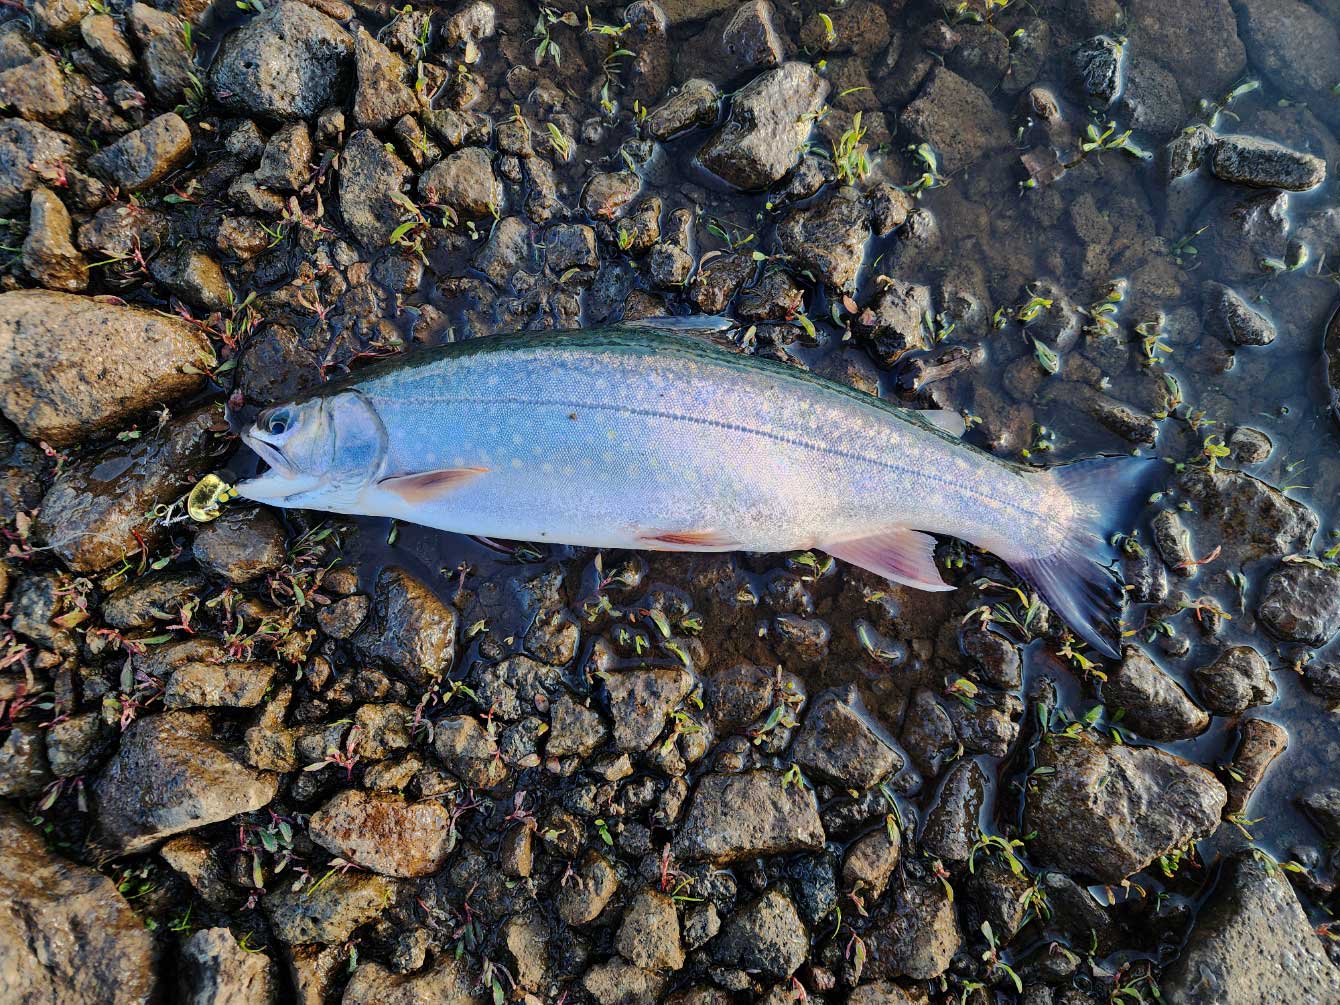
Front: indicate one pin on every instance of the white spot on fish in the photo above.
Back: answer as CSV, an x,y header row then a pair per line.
x,y
516,462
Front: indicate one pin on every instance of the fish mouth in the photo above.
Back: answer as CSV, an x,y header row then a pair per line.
x,y
280,482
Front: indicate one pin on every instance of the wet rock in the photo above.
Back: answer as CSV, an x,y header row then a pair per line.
x,y
1230,317
1249,445
1322,805
35,90
1197,42
76,744
694,104
287,63
889,208
764,136
641,700
246,542
412,631
327,913
928,734
37,602
286,160
649,934
464,182
1300,602
56,20
751,38
193,276
171,775
1259,743
841,743
957,119
894,323
1252,942
588,890
525,937
1155,705
344,617
743,815
606,196
619,983
1097,68
570,246
1150,100
103,36
1297,48
765,937
1106,811
446,981
214,685
23,762
1243,517
49,253
1187,150
870,863
166,62
920,935
828,238
1241,231
996,657
883,993
951,825
385,833
717,280
30,155
66,934
1261,163
1121,418
215,969
384,93
1238,679
507,249
775,297
147,156
469,752
574,729
371,180
99,508
515,685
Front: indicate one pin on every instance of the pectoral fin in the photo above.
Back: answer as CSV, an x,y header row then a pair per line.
x,y
426,486
902,555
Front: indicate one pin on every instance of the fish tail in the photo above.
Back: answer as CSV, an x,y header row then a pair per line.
x,y
1075,570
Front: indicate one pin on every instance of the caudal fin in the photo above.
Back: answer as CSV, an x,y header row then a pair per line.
x,y
1078,578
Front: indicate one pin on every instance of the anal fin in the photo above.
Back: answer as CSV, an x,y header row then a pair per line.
x,y
425,486
900,554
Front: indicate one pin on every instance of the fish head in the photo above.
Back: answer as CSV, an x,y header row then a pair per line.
x,y
321,451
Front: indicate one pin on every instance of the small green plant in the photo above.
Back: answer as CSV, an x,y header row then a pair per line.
x,y
930,175
1212,110
850,159
542,34
561,144
1110,139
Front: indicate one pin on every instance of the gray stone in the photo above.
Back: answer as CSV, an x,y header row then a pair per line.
x,y
1261,163
1301,603
49,253
770,119
1154,704
765,937
288,63
371,182
841,743
1252,944
146,156
957,119
744,815
1232,319
463,182
215,970
1238,679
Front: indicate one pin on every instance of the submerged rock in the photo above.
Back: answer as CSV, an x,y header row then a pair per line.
x,y
1243,517
1238,679
1097,67
1252,942
1107,811
1301,603
66,934
1261,163
1297,48
829,238
73,367
957,119
764,136
1231,318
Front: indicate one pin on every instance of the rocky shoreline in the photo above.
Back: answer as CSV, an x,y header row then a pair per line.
x,y
274,758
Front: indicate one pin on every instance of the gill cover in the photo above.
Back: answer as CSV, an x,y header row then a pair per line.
x,y
320,451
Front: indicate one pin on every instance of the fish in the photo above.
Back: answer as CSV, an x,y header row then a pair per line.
x,y
649,436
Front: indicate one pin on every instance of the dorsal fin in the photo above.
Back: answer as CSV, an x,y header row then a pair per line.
x,y
902,555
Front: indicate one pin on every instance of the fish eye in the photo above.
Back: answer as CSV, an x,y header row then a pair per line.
x,y
278,423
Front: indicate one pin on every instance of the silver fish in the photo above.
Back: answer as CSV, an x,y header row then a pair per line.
x,y
645,438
